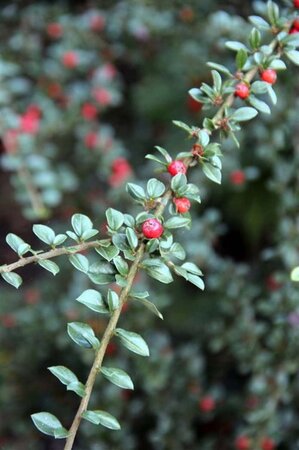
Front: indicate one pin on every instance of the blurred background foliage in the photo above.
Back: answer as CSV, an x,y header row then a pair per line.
x,y
86,90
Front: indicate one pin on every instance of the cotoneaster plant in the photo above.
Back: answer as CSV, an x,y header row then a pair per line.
x,y
146,241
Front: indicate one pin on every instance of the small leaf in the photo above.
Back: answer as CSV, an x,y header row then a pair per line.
x,y
49,424
121,265
212,172
197,281
219,67
108,253
80,262
157,269
149,305
59,239
244,114
259,105
44,233
51,266
113,300
17,244
259,22
82,334
12,278
132,238
192,268
241,58
81,223
235,45
155,188
133,341
293,56
93,300
136,192
177,222
115,219
118,377
99,417
65,375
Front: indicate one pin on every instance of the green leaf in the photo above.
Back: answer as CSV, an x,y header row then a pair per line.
x,y
241,58
182,125
80,262
155,188
149,305
121,265
132,238
82,334
108,253
65,375
51,266
212,172
164,153
192,268
236,46
81,224
59,239
17,244
93,300
12,278
133,341
243,114
177,250
293,56
136,192
113,300
177,222
259,87
259,105
44,233
204,138
178,181
255,38
272,94
49,424
295,274
277,64
158,270
77,387
217,81
259,22
115,219
219,67
197,281
99,417
118,377
273,12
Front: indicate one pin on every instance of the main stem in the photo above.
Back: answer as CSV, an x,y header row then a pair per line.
x,y
99,356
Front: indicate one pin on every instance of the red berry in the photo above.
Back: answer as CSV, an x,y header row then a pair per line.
x,y
296,24
152,229
207,404
269,76
176,167
293,31
268,444
296,3
242,90
242,443
182,204
54,30
70,59
89,111
91,139
237,177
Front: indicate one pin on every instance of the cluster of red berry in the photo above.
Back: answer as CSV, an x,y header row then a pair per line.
x,y
244,443
153,228
242,89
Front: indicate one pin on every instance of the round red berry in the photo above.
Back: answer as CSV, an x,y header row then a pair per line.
x,y
182,204
268,444
237,177
70,59
54,30
207,404
176,167
296,3
242,91
152,228
89,111
269,76
296,24
242,443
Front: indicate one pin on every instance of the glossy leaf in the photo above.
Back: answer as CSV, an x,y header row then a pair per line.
x,y
118,377
133,341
